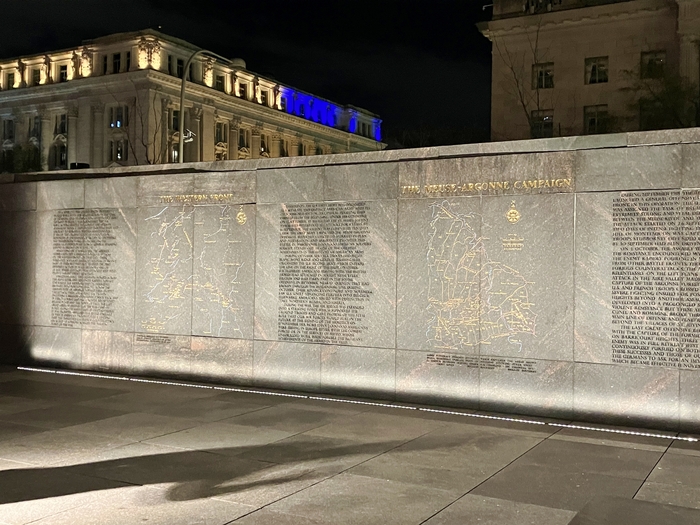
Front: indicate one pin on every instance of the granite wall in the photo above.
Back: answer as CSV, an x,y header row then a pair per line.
x,y
553,277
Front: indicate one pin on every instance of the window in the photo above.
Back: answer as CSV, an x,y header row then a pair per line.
x,y
542,123
283,103
175,120
596,70
36,77
63,73
302,110
118,150
263,143
119,117
60,156
300,149
243,90
263,97
128,61
284,148
10,80
595,119
653,63
244,138
180,68
191,72
8,130
220,83
543,76
35,128
170,64
220,132
61,124
116,62
104,65
652,116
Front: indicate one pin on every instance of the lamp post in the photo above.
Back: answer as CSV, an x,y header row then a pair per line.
x,y
181,116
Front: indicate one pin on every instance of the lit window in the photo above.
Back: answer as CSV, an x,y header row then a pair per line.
x,y
542,123
652,64
263,143
220,83
119,117
596,70
243,90
595,119
116,62
36,77
63,73
119,151
543,76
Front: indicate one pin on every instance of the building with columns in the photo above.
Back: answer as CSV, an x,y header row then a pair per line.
x,y
574,67
115,100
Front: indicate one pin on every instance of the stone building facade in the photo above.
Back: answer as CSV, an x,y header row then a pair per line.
x,y
115,101
573,67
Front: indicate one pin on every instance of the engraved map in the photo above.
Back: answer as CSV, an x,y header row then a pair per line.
x,y
472,299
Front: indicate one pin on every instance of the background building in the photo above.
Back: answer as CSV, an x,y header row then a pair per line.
x,y
115,100
572,67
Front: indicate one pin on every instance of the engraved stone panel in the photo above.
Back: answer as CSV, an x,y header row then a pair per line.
x,y
107,351
287,365
224,271
241,184
353,370
159,189
164,269
161,354
593,305
424,379
43,268
440,260
218,359
92,268
626,395
336,271
527,386
526,291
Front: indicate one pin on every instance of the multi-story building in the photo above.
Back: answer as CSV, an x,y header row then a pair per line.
x,y
573,67
115,100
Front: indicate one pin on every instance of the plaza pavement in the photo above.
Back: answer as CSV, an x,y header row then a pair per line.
x,y
91,450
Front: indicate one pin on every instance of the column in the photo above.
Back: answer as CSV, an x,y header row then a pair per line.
x,y
46,135
275,142
293,147
255,143
72,134
233,139
98,137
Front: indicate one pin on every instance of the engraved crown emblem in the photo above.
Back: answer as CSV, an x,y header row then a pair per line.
x,y
513,215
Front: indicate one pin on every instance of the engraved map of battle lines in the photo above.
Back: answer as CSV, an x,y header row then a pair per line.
x,y
194,252
472,299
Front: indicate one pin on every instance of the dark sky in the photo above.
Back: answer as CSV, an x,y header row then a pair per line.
x,y
421,65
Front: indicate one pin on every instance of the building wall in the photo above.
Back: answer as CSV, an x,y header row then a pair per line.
x,y
139,73
621,31
551,277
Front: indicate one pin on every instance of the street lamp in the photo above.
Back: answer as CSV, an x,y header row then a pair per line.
x,y
181,115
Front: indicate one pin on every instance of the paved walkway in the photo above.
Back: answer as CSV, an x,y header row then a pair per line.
x,y
89,450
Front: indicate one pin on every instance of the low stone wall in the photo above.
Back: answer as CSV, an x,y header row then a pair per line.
x,y
554,277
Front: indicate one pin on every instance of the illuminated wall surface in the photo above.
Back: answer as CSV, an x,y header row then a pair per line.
x,y
555,277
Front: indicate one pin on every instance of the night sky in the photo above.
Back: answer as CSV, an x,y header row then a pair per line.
x,y
421,65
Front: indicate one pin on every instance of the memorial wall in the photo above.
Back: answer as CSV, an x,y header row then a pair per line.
x,y
556,278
